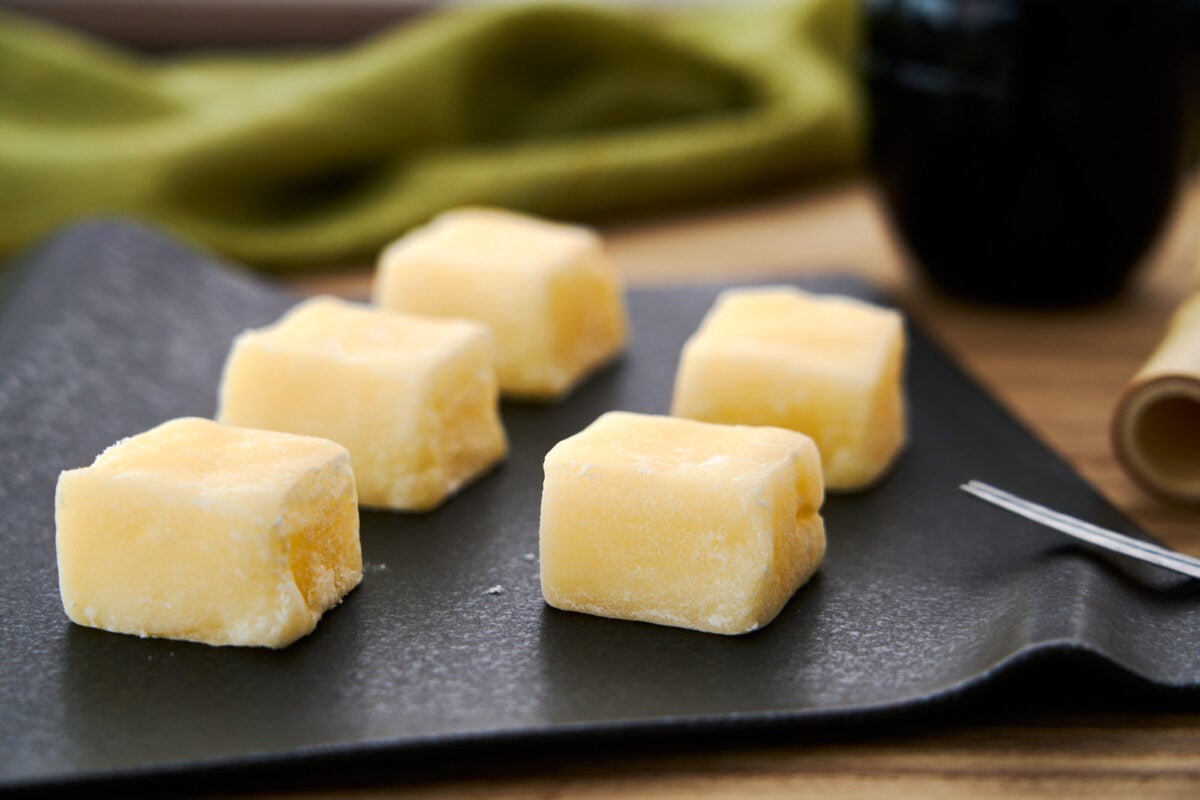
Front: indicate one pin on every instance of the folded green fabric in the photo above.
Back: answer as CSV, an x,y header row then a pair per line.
x,y
292,161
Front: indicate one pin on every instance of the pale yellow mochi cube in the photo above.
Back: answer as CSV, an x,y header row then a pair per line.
x,y
414,399
827,366
199,531
548,291
683,523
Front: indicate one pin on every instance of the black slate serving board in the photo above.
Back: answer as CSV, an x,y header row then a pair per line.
x,y
108,329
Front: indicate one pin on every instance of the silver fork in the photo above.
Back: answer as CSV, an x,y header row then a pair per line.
x,y
1093,534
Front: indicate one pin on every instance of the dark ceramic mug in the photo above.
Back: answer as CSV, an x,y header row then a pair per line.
x,y
1029,150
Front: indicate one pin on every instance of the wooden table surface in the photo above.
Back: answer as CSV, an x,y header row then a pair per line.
x,y
1060,372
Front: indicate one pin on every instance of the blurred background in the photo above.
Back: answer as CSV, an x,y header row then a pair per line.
x,y
173,25
300,135
998,133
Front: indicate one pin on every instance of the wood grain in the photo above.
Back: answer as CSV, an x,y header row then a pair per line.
x,y
1098,756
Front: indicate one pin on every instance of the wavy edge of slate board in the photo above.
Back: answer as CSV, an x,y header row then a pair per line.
x,y
1083,667
1052,677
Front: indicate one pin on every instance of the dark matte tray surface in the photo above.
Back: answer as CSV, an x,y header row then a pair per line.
x,y
109,329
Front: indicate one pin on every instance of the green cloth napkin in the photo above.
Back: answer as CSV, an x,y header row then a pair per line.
x,y
302,160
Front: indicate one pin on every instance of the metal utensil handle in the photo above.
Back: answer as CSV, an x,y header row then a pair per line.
x,y
1086,531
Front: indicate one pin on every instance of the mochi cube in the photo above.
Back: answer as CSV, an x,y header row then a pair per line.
x,y
677,522
547,291
413,399
827,366
199,531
